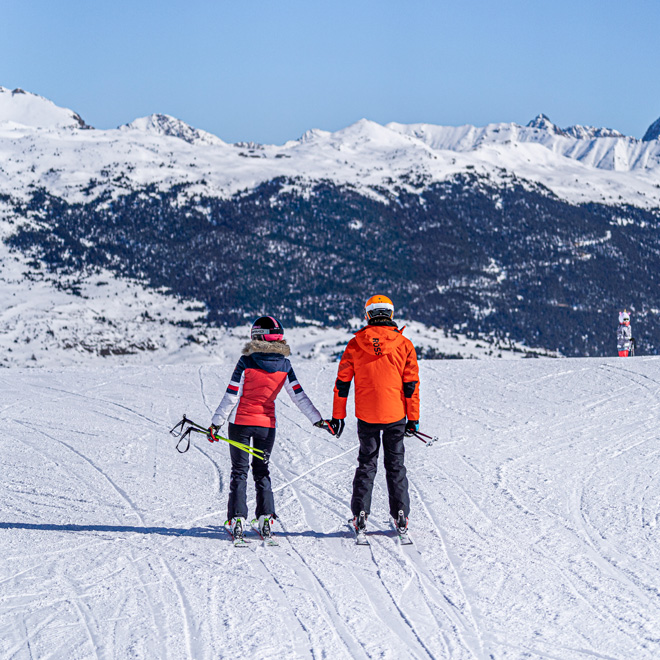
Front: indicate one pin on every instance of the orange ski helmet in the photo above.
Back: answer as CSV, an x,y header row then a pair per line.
x,y
378,306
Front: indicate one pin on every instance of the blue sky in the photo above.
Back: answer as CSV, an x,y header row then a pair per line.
x,y
269,70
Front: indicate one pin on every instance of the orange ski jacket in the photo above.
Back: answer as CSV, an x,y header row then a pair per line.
x,y
384,365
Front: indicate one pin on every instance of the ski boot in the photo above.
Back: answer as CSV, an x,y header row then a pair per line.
x,y
236,527
264,526
401,527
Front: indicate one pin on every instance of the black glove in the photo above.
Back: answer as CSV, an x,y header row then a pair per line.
x,y
332,426
412,426
211,433
337,426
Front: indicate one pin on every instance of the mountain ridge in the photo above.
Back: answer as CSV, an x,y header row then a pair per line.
x,y
166,125
595,166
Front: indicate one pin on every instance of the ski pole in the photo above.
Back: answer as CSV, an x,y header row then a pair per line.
x,y
430,440
255,451
182,433
198,428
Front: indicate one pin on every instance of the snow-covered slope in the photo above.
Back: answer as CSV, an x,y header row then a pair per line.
x,y
54,320
20,107
535,518
578,164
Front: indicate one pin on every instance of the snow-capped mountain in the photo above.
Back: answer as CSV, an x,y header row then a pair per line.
x,y
162,125
543,123
20,107
578,164
506,233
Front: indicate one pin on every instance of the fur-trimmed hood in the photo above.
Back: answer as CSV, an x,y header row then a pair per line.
x,y
261,346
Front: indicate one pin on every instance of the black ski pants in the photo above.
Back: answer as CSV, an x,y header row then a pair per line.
x,y
395,470
260,437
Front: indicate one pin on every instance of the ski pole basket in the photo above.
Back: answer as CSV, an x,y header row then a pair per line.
x,y
426,439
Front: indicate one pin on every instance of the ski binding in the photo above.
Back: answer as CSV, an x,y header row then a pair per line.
x,y
270,541
360,530
404,536
239,540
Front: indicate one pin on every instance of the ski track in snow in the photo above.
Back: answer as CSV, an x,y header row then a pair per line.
x,y
534,518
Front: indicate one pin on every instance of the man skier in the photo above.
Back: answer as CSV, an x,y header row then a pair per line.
x,y
384,365
624,339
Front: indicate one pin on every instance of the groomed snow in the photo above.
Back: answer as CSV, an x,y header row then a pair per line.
x,y
535,520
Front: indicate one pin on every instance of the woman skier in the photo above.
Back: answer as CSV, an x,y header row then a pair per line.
x,y
624,340
249,406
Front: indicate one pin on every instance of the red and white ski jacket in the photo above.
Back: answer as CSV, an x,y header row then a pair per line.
x,y
261,373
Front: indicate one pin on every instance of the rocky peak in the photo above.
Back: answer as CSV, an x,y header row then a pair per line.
x,y
542,122
159,124
653,132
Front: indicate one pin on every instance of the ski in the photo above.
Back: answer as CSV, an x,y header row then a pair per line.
x,y
360,534
361,537
239,541
270,541
404,536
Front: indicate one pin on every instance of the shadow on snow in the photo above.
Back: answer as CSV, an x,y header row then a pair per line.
x,y
213,532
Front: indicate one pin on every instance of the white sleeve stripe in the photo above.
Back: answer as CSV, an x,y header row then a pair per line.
x,y
228,403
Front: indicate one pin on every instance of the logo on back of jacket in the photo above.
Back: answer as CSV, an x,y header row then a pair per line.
x,y
377,347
